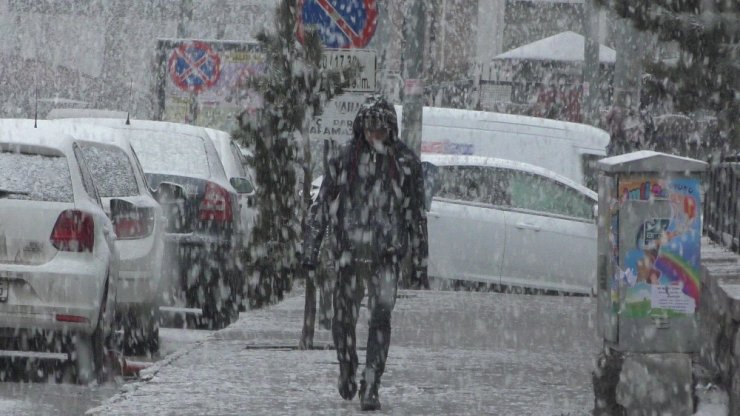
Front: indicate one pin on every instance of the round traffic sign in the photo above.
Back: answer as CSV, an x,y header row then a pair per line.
x,y
341,23
194,66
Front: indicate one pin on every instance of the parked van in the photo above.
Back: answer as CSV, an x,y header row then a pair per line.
x,y
569,149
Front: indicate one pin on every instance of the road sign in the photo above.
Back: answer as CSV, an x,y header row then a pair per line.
x,y
341,58
341,23
194,66
335,123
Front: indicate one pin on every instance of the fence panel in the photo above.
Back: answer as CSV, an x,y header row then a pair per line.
x,y
722,204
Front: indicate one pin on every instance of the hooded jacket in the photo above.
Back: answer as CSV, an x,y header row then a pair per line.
x,y
401,225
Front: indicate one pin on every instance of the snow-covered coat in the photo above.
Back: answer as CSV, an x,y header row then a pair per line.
x,y
406,225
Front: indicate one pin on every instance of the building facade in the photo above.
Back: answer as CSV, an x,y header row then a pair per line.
x,y
102,53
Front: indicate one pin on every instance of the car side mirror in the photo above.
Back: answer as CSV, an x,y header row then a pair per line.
x,y
243,186
430,172
596,211
168,191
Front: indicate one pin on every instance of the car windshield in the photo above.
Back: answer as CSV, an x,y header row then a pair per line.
x,y
172,154
35,177
111,170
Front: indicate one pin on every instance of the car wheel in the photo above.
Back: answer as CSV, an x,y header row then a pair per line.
x,y
222,306
90,350
88,356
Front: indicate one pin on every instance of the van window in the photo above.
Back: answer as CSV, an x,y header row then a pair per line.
x,y
538,193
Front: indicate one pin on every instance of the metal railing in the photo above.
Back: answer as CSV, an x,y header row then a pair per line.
x,y
722,203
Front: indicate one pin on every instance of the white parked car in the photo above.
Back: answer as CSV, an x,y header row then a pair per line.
x,y
202,235
139,229
236,168
58,259
511,224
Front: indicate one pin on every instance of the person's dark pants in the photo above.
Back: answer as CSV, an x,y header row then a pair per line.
x,y
381,279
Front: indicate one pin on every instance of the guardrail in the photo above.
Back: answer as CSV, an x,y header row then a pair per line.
x,y
722,203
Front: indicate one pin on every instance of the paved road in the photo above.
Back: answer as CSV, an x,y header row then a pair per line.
x,y
66,399
451,353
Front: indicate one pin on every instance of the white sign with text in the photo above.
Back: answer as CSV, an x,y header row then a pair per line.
x,y
342,58
335,123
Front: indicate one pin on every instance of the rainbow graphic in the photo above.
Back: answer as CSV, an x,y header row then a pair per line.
x,y
676,269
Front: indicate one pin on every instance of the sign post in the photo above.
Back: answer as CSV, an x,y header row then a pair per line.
x,y
413,86
345,31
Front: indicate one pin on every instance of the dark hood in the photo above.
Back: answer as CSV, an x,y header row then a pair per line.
x,y
379,107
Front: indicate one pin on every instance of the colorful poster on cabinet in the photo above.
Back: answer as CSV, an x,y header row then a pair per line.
x,y
661,253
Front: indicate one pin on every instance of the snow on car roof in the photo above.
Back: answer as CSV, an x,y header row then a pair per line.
x,y
92,133
465,160
22,131
177,149
220,138
148,125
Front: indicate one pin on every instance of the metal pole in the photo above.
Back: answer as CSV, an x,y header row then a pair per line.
x,y
183,32
627,72
186,16
627,69
412,95
591,87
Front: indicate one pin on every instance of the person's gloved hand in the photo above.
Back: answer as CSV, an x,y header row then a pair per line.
x,y
308,264
389,255
419,278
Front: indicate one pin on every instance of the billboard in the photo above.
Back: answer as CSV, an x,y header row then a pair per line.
x,y
204,82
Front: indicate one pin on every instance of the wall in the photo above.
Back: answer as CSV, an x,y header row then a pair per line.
x,y
719,321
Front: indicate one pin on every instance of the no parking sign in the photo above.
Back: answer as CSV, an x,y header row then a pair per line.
x,y
341,23
194,66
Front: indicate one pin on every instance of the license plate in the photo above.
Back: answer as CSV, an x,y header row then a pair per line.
x,y
4,287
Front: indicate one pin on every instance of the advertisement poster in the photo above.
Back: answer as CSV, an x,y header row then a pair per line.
x,y
660,270
205,82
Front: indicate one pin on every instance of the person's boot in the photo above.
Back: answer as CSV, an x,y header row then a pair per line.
x,y
346,383
369,398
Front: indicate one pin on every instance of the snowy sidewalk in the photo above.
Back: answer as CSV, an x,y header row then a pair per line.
x,y
451,353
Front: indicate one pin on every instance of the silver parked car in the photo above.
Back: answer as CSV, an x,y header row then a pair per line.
x,y
203,232
236,169
139,228
510,224
58,259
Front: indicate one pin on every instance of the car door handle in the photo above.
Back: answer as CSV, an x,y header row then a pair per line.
x,y
527,226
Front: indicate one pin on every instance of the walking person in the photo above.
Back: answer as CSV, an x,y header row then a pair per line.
x,y
373,197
